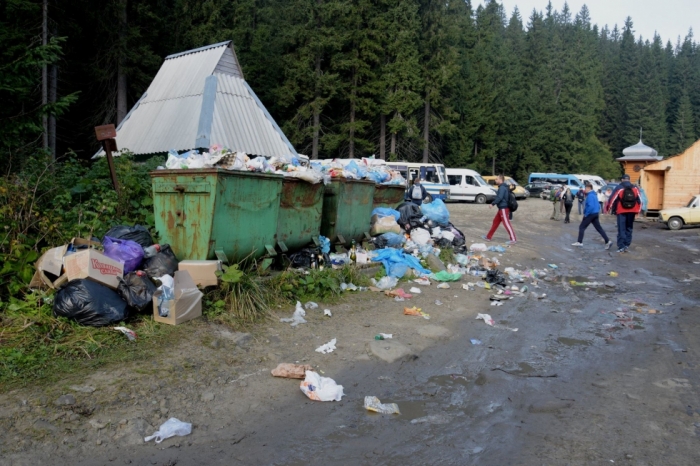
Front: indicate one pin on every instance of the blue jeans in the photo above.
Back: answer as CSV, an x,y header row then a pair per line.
x,y
625,224
580,207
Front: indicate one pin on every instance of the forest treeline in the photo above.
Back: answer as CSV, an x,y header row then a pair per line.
x,y
403,79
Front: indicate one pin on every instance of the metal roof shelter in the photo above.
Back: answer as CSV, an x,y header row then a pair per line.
x,y
636,157
199,98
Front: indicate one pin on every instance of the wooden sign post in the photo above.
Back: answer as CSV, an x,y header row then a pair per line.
x,y
106,135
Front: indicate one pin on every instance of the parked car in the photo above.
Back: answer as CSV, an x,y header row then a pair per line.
x,y
688,215
535,189
468,185
610,186
520,192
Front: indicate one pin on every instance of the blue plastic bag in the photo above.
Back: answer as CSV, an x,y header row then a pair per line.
x,y
436,211
391,257
386,212
325,244
393,239
123,250
356,169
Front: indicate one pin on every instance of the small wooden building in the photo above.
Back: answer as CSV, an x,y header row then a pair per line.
x,y
673,181
635,158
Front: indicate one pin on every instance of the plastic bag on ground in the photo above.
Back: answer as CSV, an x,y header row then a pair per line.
x,y
327,348
163,263
386,212
444,276
90,303
372,403
420,236
393,239
385,225
137,290
123,250
387,283
298,316
390,257
436,211
477,247
319,388
137,233
170,428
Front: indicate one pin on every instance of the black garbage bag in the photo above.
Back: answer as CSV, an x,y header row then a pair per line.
x,y
137,233
302,259
495,277
137,290
410,215
444,243
379,242
163,263
90,303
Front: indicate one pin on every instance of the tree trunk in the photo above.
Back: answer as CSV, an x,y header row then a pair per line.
x,y
121,65
317,93
351,133
382,136
392,149
426,130
53,95
45,75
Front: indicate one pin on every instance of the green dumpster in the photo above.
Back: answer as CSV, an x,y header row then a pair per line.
x,y
202,211
299,220
347,208
388,195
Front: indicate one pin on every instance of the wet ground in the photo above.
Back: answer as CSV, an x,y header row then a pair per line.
x,y
601,371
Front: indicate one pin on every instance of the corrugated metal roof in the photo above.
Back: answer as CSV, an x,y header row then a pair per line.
x,y
168,115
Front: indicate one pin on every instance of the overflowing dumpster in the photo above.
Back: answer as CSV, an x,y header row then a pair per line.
x,y
388,195
301,206
202,211
347,209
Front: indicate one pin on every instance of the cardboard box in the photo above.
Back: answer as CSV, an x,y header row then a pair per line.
x,y
94,265
51,262
187,304
202,272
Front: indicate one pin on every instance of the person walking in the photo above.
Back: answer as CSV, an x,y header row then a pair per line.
x,y
555,196
625,202
581,196
601,199
567,199
503,214
417,192
591,212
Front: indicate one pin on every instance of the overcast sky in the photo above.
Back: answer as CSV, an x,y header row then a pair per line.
x,y
670,18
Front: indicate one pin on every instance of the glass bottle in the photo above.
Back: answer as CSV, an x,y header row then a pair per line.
x,y
353,255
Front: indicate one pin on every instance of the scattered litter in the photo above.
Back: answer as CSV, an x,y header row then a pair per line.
x,y
415,290
443,286
668,304
477,247
130,334
496,303
496,249
489,321
372,403
170,428
298,316
310,305
399,299
386,283
475,341
468,286
553,266
415,311
291,371
399,293
432,419
327,312
422,281
348,287
327,348
321,388
444,276
384,336
438,302
613,274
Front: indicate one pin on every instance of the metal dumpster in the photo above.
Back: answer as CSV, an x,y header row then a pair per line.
x,y
301,205
347,208
201,211
388,195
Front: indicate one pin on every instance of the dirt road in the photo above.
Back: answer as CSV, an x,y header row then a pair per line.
x,y
595,374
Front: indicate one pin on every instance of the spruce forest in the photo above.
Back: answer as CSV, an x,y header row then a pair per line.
x,y
479,87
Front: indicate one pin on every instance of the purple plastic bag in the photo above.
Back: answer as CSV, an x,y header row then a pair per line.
x,y
129,252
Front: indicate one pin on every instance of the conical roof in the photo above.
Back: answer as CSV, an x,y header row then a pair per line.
x,y
640,151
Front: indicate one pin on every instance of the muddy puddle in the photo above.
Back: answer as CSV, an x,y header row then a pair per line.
x,y
573,342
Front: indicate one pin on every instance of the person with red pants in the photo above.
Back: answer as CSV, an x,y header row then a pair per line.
x,y
503,214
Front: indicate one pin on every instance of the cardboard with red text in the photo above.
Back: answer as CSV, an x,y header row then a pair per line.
x,y
94,265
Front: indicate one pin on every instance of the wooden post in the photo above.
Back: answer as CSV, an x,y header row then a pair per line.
x,y
106,135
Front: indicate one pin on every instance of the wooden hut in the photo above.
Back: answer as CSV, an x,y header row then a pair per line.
x,y
636,157
671,182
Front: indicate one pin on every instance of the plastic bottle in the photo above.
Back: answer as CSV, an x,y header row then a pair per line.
x,y
320,262
151,251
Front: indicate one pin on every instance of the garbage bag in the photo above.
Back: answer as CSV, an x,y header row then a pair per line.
x,y
410,214
170,428
393,239
124,250
90,303
321,388
385,225
436,211
389,257
495,277
386,212
137,233
444,276
420,236
387,283
163,263
137,290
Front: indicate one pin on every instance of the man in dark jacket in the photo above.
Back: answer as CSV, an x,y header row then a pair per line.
x,y
503,214
417,192
581,196
625,213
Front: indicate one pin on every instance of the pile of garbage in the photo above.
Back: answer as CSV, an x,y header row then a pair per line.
x,y
367,168
105,282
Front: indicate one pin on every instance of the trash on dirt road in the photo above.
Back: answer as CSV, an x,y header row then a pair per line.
x,y
384,336
613,274
327,312
348,287
500,249
130,334
553,266
415,311
372,403
396,263
444,276
310,305
477,247
415,290
90,303
489,321
438,302
298,316
443,286
170,428
422,281
291,371
319,388
386,283
475,341
496,303
468,286
327,348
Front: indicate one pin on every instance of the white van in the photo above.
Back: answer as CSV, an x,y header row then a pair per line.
x,y
468,185
596,181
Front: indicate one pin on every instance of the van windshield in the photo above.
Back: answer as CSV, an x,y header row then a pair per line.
x,y
443,175
480,180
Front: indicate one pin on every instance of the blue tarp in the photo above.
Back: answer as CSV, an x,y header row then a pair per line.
x,y
396,263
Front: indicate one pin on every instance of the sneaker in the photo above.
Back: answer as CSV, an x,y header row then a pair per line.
x,y
621,250
608,245
577,244
511,242
485,238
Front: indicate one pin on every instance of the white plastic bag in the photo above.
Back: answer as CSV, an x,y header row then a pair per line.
x,y
385,225
321,388
170,428
420,236
310,305
327,348
387,283
477,247
298,316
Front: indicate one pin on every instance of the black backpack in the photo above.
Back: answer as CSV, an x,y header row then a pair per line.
x,y
512,202
628,198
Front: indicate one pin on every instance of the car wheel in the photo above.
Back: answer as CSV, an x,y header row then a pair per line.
x,y
480,199
675,223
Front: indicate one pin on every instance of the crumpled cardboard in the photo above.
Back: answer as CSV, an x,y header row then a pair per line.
x,y
187,304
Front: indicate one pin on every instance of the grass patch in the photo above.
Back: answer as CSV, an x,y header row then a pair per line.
x,y
447,256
